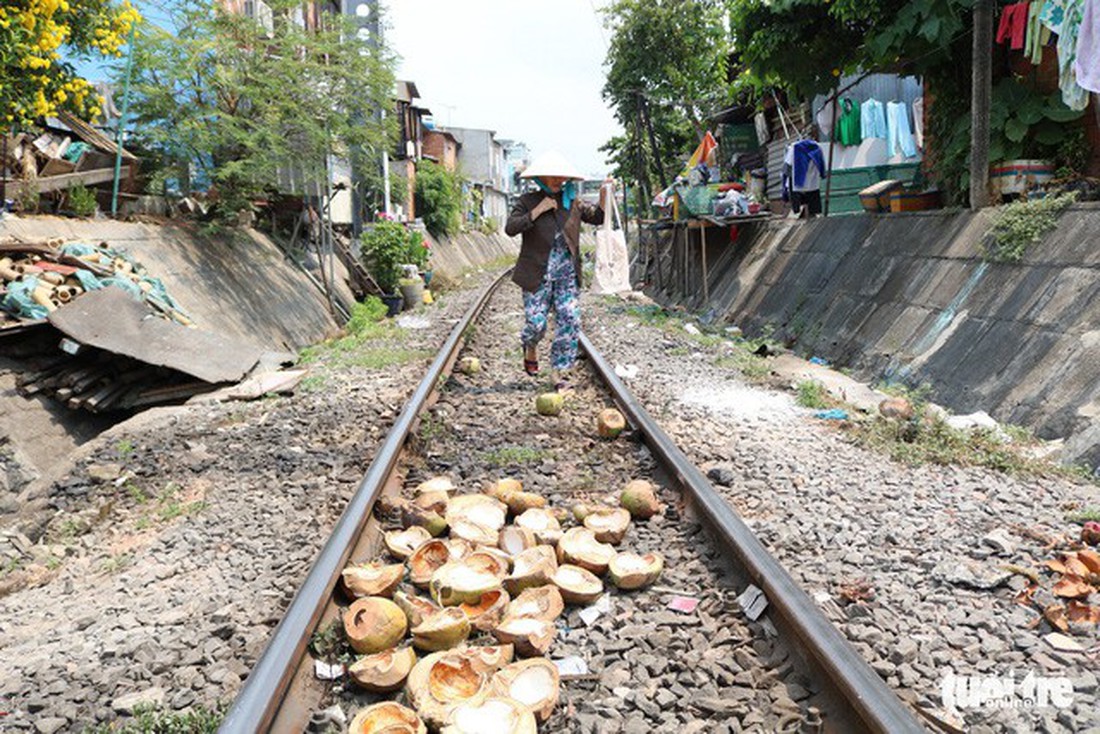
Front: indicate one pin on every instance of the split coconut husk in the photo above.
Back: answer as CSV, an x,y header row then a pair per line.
x,y
608,523
387,718
488,611
610,423
640,499
473,533
442,630
372,579
415,607
479,509
514,540
501,488
429,558
384,671
413,515
440,682
504,559
549,403
403,543
488,659
531,637
465,581
374,624
533,567
543,523
436,501
542,602
437,484
633,571
520,502
581,510
577,585
579,547
535,683
491,716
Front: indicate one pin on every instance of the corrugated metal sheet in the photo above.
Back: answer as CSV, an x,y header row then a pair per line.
x,y
776,149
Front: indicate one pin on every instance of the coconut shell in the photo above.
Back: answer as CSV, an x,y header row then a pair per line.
x,y
488,659
443,630
373,579
640,500
488,611
403,543
535,683
465,581
428,559
577,585
579,547
533,567
541,602
633,571
415,607
387,718
440,682
610,423
520,502
384,671
374,624
506,714
608,524
531,637
435,485
514,540
543,523
480,509
549,404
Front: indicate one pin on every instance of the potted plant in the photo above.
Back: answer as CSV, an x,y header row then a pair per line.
x,y
385,247
1027,128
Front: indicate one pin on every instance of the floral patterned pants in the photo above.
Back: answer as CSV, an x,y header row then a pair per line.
x,y
558,291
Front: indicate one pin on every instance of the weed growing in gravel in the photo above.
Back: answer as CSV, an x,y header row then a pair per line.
x,y
137,494
510,455
313,383
327,642
114,564
812,394
124,448
149,720
11,566
71,528
1089,514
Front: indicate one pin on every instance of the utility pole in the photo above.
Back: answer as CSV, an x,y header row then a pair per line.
x,y
122,124
981,91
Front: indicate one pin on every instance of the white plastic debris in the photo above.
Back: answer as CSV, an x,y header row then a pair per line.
x,y
324,671
692,329
981,419
626,371
589,615
412,321
572,665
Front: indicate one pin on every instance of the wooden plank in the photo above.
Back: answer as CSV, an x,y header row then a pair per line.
x,y
64,181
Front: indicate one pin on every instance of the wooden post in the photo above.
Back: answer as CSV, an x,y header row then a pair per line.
x,y
981,91
706,279
832,149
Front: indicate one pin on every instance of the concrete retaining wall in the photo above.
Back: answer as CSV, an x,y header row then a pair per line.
x,y
236,284
908,297
454,256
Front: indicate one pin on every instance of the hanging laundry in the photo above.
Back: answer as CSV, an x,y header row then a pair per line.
x,y
848,126
1052,14
825,120
1013,26
900,135
1038,35
803,169
1087,64
918,121
1075,97
872,119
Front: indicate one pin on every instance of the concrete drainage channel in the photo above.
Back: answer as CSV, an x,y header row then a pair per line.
x,y
691,652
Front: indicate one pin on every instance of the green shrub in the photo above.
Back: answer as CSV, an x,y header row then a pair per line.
x,y
386,246
438,198
81,200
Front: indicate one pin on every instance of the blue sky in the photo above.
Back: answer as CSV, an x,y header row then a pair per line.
x,y
530,71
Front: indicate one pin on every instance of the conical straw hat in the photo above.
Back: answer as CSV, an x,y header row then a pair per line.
x,y
551,163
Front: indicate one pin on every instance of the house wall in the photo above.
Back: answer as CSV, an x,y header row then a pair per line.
x,y
441,147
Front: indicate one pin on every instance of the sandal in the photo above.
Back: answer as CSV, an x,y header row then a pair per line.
x,y
531,366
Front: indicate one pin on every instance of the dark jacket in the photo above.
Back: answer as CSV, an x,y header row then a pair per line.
x,y
538,236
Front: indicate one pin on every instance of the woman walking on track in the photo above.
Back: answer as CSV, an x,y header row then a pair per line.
x,y
549,265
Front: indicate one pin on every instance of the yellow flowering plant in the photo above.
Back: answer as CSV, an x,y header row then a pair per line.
x,y
38,38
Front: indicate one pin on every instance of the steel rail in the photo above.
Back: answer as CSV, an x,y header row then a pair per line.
x,y
879,708
263,693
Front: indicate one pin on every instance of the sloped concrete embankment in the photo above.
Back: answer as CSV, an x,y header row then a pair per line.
x,y
237,284
908,297
453,257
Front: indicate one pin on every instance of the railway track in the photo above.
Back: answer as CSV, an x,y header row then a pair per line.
x,y
679,655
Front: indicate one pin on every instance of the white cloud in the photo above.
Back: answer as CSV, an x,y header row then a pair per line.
x,y
532,71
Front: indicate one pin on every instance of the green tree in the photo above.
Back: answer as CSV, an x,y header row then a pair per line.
x,y
240,99
667,59
438,198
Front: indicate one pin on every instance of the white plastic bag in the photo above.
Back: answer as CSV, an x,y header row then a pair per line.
x,y
612,260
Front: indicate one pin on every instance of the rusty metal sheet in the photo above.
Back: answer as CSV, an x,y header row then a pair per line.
x,y
110,319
